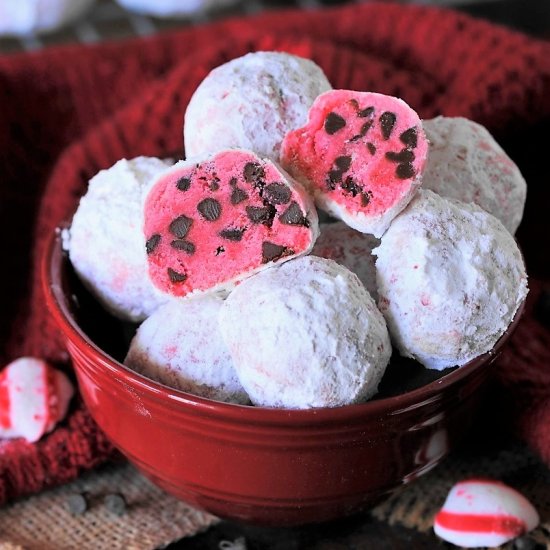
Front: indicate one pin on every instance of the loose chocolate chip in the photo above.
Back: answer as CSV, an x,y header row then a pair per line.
x,y
210,209
409,137
272,252
186,246
152,243
261,214
387,122
527,543
76,504
542,307
405,155
183,184
365,112
293,215
253,172
115,503
232,234
371,147
179,227
237,195
404,170
175,276
343,163
277,193
333,123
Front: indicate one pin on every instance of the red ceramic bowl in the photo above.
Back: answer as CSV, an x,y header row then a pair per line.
x,y
260,465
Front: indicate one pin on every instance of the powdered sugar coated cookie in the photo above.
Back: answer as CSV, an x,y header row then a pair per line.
x,y
349,248
466,163
305,334
251,103
450,279
106,243
180,345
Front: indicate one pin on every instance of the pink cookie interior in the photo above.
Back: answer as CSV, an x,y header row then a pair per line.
x,y
363,150
210,223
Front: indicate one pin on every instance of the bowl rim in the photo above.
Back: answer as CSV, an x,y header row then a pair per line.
x,y
52,264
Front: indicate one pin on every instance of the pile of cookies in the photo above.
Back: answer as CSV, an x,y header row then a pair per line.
x,y
244,297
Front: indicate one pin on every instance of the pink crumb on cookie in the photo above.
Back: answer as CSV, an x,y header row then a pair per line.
x,y
211,223
361,153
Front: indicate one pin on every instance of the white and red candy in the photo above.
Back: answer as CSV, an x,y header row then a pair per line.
x,y
484,512
361,154
34,397
213,222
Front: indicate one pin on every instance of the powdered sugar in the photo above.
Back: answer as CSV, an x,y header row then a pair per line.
x,y
305,334
466,163
251,102
450,279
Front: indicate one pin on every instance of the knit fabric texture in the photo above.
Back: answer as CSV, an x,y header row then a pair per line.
x,y
67,112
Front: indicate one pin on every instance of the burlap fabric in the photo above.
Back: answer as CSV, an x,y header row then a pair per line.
x,y
153,518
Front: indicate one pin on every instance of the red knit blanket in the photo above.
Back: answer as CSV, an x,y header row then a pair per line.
x,y
67,112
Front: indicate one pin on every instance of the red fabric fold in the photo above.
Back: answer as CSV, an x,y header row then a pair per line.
x,y
67,112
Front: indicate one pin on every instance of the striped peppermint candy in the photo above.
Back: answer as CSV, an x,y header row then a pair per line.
x,y
34,397
484,512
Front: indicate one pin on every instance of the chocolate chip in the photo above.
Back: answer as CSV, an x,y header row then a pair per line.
x,y
409,137
272,252
387,122
350,185
76,504
115,503
261,214
405,155
333,123
179,227
404,170
237,195
542,307
219,250
210,209
277,193
334,177
365,128
371,147
343,163
366,197
215,184
354,103
186,246
232,234
175,276
527,543
365,112
152,243
293,215
253,172
183,184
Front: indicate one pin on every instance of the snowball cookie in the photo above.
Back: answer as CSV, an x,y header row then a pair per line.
x,y
251,102
466,163
351,249
305,334
173,8
212,222
106,243
22,17
180,346
361,154
450,279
